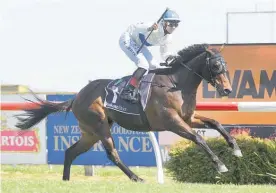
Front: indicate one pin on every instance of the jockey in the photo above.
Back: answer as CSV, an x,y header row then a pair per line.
x,y
131,40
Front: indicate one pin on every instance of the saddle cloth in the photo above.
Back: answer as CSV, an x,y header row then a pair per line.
x,y
115,102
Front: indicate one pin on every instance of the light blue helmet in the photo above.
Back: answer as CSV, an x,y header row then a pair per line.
x,y
171,15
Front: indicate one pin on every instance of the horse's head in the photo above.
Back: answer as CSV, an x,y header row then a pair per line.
x,y
208,64
215,72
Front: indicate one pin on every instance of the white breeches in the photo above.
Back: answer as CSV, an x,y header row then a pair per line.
x,y
144,59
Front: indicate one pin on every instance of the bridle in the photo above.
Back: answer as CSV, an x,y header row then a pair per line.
x,y
212,80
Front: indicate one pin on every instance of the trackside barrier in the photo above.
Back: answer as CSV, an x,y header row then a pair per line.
x,y
237,106
200,106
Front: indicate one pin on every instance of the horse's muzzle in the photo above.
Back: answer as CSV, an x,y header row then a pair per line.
x,y
223,91
227,91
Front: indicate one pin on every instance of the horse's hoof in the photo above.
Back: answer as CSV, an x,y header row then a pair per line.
x,y
65,179
137,179
222,168
237,153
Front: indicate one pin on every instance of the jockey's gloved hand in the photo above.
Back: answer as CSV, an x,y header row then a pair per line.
x,y
153,27
170,59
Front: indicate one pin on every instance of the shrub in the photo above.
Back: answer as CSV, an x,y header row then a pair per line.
x,y
189,163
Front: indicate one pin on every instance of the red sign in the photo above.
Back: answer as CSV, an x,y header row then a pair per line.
x,y
19,141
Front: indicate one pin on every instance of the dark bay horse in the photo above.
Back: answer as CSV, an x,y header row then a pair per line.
x,y
171,107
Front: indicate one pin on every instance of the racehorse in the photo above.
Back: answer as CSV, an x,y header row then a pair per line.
x,y
170,107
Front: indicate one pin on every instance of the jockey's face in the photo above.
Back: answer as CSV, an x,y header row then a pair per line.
x,y
170,26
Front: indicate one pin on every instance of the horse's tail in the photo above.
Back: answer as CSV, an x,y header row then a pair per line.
x,y
31,117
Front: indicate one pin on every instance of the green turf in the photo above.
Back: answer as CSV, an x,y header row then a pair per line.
x,y
41,179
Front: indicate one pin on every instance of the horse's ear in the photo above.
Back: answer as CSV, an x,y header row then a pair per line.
x,y
210,51
221,48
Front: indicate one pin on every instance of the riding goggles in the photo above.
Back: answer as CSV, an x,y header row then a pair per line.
x,y
172,24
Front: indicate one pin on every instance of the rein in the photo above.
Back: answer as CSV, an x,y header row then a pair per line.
x,y
212,82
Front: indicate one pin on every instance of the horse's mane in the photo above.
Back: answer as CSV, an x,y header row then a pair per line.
x,y
192,51
184,55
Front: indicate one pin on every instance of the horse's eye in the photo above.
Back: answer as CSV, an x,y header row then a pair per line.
x,y
217,66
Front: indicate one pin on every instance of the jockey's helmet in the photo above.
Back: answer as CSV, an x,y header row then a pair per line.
x,y
171,16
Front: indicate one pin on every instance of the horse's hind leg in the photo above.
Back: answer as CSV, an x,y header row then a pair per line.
x,y
97,117
201,122
83,145
104,132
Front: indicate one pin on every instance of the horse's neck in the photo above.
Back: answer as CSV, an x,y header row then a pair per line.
x,y
187,79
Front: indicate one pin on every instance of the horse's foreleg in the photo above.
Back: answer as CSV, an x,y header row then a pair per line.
x,y
204,122
178,126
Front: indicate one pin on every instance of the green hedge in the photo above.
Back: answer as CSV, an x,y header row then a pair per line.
x,y
189,163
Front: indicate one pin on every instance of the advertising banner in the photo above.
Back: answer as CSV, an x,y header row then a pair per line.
x,y
21,147
252,73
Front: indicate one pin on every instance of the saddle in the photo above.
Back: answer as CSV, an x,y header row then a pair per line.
x,y
115,87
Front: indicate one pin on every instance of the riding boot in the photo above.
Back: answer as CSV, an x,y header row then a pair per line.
x,y
130,91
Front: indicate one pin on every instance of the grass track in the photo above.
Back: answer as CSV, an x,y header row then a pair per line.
x,y
41,179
